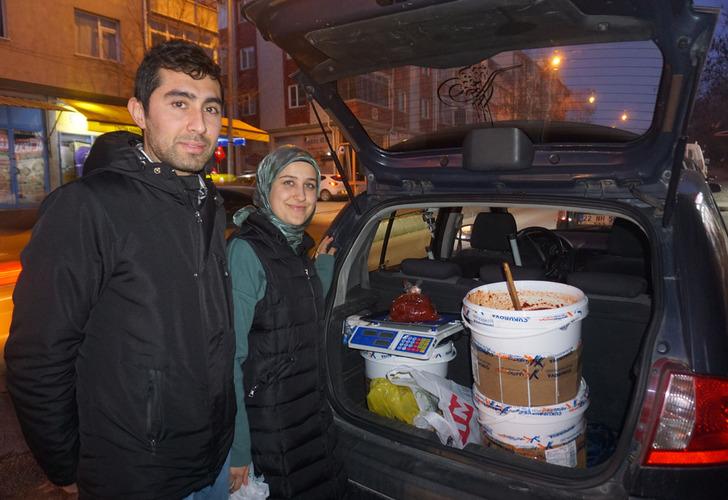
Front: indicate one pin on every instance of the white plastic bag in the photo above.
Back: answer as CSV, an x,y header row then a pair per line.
x,y
458,424
256,489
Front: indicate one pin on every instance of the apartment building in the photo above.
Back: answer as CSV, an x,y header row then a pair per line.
x,y
67,73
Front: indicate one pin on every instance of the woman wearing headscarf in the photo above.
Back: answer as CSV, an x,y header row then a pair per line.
x,y
283,425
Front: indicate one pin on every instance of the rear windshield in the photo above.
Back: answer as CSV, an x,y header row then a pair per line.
x,y
581,93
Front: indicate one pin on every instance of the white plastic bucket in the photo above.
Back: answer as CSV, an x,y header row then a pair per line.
x,y
526,357
535,426
377,364
528,332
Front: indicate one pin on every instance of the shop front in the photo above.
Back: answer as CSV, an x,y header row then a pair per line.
x,y
24,178
79,126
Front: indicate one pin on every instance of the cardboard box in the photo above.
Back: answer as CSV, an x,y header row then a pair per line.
x,y
526,381
571,454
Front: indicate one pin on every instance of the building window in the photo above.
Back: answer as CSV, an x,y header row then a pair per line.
x,y
3,29
247,105
247,58
161,31
296,96
221,18
425,107
97,36
402,102
372,88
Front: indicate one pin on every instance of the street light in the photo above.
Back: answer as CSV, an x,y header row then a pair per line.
x,y
624,117
555,61
592,99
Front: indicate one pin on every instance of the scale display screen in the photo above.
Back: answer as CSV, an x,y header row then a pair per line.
x,y
374,337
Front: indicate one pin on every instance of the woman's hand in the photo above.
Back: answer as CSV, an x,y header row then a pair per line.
x,y
324,247
238,477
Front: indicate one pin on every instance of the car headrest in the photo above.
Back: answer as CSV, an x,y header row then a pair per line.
x,y
491,230
626,239
426,268
495,149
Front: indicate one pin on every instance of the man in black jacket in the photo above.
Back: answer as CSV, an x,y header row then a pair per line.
x,y
119,361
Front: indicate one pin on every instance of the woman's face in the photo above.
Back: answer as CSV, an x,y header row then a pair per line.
x,y
293,193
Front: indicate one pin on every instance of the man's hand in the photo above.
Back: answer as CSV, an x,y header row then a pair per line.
x,y
50,490
238,477
71,489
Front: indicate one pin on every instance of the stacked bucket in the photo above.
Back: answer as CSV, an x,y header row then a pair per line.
x,y
528,389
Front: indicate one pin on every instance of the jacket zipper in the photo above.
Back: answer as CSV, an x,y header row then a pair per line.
x,y
153,408
313,292
270,376
200,240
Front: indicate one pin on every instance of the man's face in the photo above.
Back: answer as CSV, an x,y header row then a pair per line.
x,y
182,122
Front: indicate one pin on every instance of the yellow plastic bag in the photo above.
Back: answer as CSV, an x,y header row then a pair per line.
x,y
392,401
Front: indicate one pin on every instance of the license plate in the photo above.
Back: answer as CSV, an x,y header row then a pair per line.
x,y
594,220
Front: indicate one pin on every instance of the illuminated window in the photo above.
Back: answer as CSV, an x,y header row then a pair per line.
x,y
97,36
161,31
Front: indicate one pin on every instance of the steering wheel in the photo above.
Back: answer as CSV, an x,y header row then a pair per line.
x,y
555,253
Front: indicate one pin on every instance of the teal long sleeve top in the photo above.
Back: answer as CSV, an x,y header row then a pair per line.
x,y
249,285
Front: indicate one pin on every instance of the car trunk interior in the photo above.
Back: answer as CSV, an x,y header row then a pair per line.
x,y
608,259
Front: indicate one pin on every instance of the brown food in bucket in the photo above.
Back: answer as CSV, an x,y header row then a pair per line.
x,y
530,300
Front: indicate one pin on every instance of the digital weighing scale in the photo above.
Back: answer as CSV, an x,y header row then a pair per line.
x,y
378,333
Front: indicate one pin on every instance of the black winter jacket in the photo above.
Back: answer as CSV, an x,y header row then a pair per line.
x,y
293,442
119,360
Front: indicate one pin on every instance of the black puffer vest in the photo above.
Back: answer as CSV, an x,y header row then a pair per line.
x,y
292,438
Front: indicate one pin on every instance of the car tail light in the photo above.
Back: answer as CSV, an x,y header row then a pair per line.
x,y
692,426
9,272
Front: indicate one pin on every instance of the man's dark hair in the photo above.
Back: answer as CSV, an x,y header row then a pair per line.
x,y
175,55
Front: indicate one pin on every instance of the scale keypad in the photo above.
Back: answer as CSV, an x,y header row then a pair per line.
x,y
413,343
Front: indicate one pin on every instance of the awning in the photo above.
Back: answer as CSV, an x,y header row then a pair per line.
x,y
244,130
107,117
104,117
29,103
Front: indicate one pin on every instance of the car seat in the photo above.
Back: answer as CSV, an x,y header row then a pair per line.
x,y
627,252
489,247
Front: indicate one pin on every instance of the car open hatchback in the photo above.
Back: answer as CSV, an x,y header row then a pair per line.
x,y
479,125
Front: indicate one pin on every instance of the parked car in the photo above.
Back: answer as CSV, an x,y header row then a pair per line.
x,y
469,126
332,187
234,198
222,178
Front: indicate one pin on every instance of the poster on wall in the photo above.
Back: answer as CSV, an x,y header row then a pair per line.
x,y
6,192
29,160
